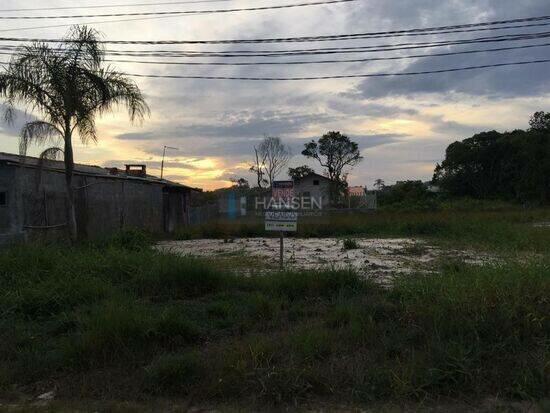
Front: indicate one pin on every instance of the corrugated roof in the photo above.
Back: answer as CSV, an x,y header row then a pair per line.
x,y
81,169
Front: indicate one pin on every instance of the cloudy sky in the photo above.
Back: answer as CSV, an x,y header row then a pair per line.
x,y
402,124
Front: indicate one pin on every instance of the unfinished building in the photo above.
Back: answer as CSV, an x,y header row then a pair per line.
x,y
33,199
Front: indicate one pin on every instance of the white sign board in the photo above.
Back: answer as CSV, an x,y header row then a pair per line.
x,y
281,226
281,221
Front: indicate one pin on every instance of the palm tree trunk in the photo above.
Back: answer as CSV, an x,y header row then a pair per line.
x,y
69,169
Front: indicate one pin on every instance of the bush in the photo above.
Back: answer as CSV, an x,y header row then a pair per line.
x,y
350,244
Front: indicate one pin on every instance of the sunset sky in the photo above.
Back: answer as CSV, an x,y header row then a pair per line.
x,y
402,124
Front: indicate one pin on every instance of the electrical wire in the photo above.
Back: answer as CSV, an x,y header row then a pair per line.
x,y
364,75
321,51
177,13
328,77
392,33
364,60
109,6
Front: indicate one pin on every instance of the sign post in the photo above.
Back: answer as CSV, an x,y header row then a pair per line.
x,y
280,218
281,250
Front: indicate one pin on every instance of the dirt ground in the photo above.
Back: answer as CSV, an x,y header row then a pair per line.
x,y
380,259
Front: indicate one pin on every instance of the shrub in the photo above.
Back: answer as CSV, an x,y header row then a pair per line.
x,y
350,244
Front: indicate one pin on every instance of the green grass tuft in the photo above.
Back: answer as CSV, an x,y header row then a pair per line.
x,y
350,244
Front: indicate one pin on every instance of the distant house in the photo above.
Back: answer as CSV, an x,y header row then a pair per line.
x,y
357,191
33,199
359,197
314,186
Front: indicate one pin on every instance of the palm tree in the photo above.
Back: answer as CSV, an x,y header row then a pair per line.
x,y
67,85
379,184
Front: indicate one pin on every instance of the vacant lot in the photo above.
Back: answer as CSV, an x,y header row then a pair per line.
x,y
512,232
378,259
120,321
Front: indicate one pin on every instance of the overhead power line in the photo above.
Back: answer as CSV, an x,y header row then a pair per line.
x,y
109,6
19,29
310,62
364,75
372,59
392,33
320,51
351,76
177,13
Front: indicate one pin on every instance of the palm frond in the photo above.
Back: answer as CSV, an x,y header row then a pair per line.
x,y
38,132
68,86
123,92
86,129
27,81
50,154
83,48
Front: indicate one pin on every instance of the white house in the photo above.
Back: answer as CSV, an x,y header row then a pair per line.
x,y
314,186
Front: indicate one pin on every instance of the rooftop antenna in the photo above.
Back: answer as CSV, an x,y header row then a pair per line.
x,y
163,155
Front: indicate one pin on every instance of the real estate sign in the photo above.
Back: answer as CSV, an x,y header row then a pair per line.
x,y
277,218
282,190
281,221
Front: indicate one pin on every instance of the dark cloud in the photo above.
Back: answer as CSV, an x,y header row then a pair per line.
x,y
137,136
257,123
364,141
371,141
242,124
373,110
498,83
454,129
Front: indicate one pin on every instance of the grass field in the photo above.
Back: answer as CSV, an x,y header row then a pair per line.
x,y
502,229
119,321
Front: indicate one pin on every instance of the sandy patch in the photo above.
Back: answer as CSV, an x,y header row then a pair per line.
x,y
381,259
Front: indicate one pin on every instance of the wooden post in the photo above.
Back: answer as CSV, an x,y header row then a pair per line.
x,y
45,201
281,264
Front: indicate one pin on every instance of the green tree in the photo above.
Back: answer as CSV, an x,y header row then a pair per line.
x,y
336,153
240,183
471,167
68,86
540,122
299,172
511,165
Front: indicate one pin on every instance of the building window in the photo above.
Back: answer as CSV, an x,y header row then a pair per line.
x,y
3,198
316,182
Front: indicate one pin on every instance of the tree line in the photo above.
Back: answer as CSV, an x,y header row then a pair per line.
x,y
511,165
